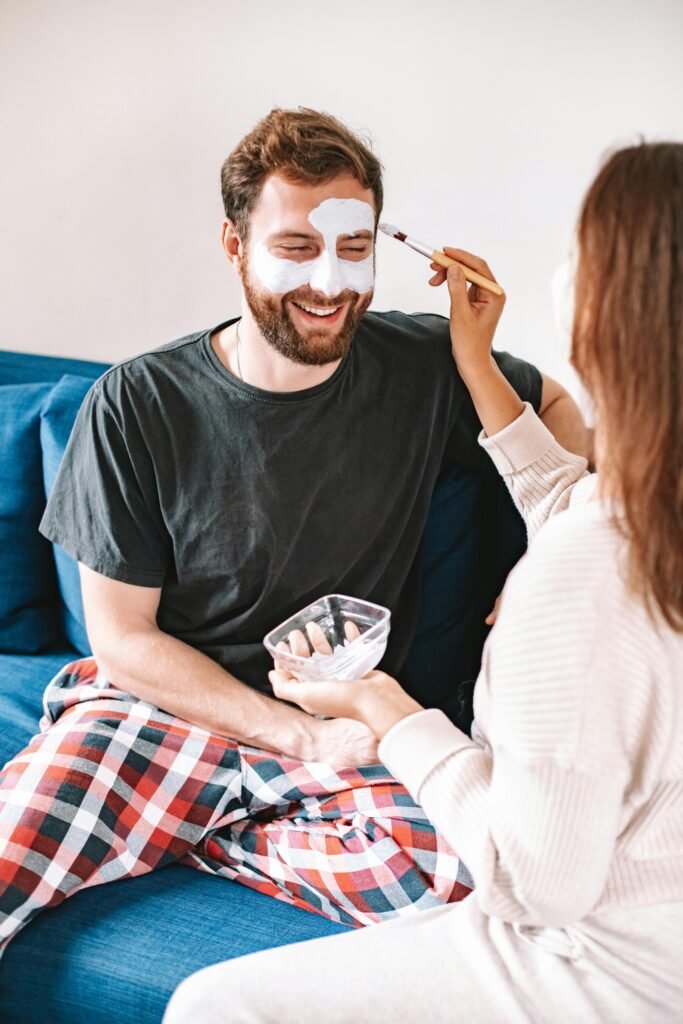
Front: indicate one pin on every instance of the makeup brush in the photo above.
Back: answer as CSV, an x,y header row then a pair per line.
x,y
436,256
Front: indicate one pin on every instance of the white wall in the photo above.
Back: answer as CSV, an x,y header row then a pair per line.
x,y
491,120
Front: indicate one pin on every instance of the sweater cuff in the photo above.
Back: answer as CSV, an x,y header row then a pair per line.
x,y
520,444
414,747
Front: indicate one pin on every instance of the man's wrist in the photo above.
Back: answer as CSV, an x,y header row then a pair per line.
x,y
304,740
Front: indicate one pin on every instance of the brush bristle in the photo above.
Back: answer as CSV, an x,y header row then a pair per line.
x,y
391,229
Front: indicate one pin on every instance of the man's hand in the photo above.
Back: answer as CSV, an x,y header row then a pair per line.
x,y
341,741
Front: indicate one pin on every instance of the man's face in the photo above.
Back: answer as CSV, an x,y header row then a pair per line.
x,y
308,265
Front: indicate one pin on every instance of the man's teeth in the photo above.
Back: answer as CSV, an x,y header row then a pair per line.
x,y
316,310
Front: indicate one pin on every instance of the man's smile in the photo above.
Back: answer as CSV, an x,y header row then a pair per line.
x,y
313,314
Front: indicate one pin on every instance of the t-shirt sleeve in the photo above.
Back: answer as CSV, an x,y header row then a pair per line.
x,y
104,506
463,446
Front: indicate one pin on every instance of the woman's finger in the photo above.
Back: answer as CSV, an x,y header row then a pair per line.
x,y
351,631
299,644
470,260
284,685
280,677
284,647
279,667
460,303
306,695
493,614
438,278
319,641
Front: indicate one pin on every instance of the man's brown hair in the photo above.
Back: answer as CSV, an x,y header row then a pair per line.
x,y
628,348
301,145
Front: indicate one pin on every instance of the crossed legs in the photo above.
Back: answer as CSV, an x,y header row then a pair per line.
x,y
112,787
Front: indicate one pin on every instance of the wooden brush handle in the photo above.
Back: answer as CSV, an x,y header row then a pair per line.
x,y
445,261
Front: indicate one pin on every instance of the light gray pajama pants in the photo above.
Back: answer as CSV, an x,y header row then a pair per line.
x,y
455,964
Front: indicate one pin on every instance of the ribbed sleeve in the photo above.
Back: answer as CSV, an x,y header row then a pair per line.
x,y
540,474
538,839
571,796
537,835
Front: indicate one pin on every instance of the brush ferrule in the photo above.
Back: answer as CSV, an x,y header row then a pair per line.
x,y
426,250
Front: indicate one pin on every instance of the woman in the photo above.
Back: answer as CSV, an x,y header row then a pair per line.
x,y
567,802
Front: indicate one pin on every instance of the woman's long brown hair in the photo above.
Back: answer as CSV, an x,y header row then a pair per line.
x,y
628,349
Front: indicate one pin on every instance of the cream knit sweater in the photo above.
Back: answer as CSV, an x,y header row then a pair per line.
x,y
569,797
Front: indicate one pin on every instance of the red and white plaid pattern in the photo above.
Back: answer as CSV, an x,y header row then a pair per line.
x,y
113,787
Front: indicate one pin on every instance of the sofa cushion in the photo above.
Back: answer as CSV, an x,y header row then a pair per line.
x,y
27,577
116,952
58,416
22,682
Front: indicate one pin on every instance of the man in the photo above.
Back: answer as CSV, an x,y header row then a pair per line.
x,y
210,489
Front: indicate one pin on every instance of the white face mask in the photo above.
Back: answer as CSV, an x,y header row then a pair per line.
x,y
562,286
327,273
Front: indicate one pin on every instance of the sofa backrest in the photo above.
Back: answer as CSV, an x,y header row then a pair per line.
x,y
40,601
27,368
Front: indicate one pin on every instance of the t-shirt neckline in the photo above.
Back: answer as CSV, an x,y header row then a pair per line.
x,y
260,394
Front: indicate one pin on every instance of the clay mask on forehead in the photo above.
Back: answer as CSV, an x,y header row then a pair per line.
x,y
327,273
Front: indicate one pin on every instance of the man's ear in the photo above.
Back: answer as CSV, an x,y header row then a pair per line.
x,y
232,245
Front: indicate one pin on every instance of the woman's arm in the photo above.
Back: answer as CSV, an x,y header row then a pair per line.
x,y
474,316
540,474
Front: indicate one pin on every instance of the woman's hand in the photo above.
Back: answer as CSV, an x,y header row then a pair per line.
x,y
302,642
377,700
474,317
475,312
493,614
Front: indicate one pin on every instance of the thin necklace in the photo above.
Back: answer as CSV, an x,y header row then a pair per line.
x,y
239,367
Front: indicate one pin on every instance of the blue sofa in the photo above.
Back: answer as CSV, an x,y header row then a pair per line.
x,y
115,953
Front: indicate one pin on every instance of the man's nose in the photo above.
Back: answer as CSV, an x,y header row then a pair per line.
x,y
326,277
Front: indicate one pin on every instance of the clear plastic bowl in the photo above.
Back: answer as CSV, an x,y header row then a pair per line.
x,y
331,613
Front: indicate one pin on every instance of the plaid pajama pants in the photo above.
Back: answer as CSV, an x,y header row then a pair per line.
x,y
113,787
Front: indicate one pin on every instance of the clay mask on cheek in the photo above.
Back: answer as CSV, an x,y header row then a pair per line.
x,y
327,273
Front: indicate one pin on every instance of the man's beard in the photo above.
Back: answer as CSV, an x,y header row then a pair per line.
x,y
316,348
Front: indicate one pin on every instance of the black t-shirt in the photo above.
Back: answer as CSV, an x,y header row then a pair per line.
x,y
245,505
